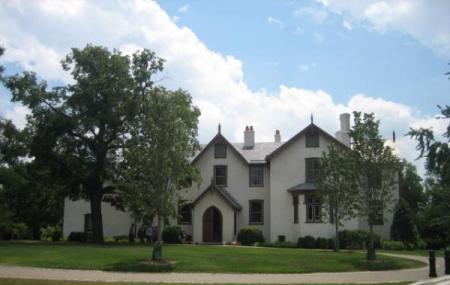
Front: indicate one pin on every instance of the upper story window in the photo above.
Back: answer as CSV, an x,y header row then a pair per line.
x,y
312,168
313,209
220,150
256,212
256,175
220,175
184,214
312,139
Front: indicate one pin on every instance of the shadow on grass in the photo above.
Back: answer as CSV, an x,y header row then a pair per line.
x,y
386,264
142,265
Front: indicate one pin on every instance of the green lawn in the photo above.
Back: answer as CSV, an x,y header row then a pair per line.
x,y
48,282
189,258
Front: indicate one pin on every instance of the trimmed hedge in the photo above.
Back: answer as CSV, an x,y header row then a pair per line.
x,y
172,234
250,236
358,239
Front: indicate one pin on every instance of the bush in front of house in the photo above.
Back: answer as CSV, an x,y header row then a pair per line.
x,y
53,233
321,243
77,237
250,236
392,245
309,242
172,234
358,239
10,231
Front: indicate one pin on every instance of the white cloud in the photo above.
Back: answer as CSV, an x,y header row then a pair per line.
x,y
317,15
426,21
347,25
215,81
274,21
184,8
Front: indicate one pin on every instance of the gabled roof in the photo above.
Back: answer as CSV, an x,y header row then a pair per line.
x,y
311,127
218,138
302,187
224,194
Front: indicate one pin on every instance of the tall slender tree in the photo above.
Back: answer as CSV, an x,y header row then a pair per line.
x,y
337,186
377,172
80,129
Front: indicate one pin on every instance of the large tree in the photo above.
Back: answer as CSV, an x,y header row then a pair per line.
x,y
156,160
436,214
377,172
337,186
79,130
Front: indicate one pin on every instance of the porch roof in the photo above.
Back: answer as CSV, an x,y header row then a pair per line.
x,y
302,187
224,194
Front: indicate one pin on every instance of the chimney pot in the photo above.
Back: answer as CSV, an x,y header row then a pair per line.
x,y
249,138
277,136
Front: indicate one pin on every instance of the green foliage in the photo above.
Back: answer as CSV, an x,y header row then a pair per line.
x,y
77,132
19,231
435,219
53,233
121,238
403,227
358,239
250,236
376,169
410,186
392,245
78,237
309,242
321,243
172,234
338,189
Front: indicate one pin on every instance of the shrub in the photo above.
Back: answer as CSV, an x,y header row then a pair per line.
x,y
321,243
19,231
331,244
301,242
309,242
77,237
120,238
358,239
280,244
250,235
172,234
392,245
53,233
403,227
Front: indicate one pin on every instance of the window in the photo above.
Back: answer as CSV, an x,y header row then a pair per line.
x,y
184,214
313,210
312,139
312,169
88,223
220,150
220,175
295,202
256,175
256,215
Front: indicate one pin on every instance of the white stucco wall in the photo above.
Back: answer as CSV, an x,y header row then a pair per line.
x,y
213,199
238,186
114,222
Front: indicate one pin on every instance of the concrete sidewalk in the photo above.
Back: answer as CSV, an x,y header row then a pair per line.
x,y
343,277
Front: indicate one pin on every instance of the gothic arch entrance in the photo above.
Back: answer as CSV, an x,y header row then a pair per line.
x,y
212,225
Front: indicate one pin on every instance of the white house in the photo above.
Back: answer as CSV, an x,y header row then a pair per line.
x,y
269,185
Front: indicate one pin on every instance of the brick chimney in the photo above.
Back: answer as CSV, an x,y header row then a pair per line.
x,y
343,134
277,136
249,137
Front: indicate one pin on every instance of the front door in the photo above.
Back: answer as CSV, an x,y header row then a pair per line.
x,y
212,225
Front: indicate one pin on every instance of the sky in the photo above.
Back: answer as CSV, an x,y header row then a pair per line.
x,y
270,64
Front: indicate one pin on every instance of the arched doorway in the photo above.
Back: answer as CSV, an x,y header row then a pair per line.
x,y
212,225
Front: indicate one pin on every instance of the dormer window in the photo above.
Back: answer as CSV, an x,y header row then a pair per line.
x,y
312,139
220,150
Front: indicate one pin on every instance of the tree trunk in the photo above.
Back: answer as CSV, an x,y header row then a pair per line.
x,y
96,214
160,227
336,239
371,246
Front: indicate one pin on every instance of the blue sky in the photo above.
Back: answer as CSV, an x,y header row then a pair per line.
x,y
317,52
269,64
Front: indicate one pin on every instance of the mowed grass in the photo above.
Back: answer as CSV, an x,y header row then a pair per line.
x,y
192,258
7,281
